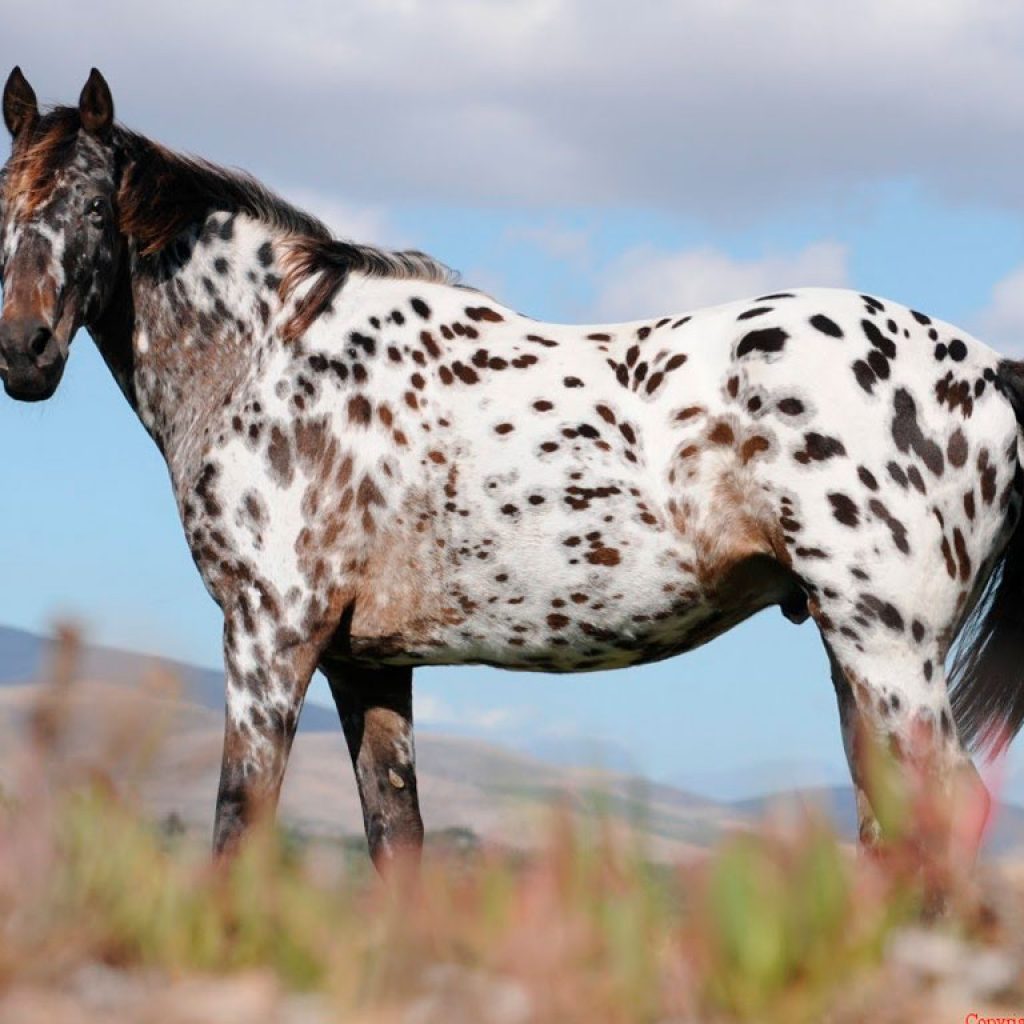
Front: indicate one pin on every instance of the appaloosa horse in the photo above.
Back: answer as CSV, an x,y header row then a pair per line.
x,y
377,468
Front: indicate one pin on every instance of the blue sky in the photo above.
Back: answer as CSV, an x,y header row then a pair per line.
x,y
579,166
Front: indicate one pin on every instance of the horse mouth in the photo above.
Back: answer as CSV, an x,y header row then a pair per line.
x,y
33,389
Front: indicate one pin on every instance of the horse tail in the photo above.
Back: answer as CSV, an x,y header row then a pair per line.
x,y
987,675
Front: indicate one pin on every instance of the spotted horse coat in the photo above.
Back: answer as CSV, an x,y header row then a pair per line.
x,y
377,468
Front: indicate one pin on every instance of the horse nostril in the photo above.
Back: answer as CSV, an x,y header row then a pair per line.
x,y
40,339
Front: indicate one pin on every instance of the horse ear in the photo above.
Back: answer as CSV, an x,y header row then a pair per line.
x,y
96,105
21,110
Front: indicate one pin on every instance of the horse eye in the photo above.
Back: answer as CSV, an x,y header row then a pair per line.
x,y
96,210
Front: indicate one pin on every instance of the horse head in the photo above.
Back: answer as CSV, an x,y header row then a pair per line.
x,y
60,244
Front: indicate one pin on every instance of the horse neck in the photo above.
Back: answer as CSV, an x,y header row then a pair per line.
x,y
179,337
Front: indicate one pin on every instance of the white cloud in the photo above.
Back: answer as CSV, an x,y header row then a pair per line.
x,y
369,224
1001,323
650,282
721,108
571,245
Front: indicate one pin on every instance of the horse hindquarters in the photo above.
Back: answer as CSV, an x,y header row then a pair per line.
x,y
888,670
987,684
891,576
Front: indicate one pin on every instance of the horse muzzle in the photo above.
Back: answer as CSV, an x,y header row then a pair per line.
x,y
32,359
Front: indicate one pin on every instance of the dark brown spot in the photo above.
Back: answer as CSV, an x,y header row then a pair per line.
x,y
822,323
907,434
844,509
867,478
883,345
956,450
865,376
819,448
771,339
961,554
483,313
689,413
604,556
722,434
753,446
896,528
359,410
279,452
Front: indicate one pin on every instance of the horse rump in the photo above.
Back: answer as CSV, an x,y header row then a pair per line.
x,y
986,678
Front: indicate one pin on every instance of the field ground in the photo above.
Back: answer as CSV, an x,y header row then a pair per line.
x,y
554,903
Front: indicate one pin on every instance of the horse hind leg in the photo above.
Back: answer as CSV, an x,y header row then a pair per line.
x,y
887,663
894,713
375,708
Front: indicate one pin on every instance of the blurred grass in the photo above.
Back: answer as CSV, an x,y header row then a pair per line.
x,y
774,925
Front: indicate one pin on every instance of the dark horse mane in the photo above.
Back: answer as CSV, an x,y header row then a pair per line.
x,y
163,193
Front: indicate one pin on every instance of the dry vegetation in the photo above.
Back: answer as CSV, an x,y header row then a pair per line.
x,y
107,916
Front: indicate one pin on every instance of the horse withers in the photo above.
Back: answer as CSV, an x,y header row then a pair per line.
x,y
378,468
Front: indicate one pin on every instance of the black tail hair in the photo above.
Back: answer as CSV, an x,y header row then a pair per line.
x,y
987,677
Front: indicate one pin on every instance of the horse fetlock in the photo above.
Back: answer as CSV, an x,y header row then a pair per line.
x,y
393,833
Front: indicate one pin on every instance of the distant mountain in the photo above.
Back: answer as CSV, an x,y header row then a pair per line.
x,y
21,654
23,658
839,804
498,794
747,777
581,750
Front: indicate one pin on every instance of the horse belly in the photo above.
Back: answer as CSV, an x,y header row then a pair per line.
x,y
545,598
550,546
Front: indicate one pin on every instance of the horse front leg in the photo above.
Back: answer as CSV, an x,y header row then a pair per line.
x,y
375,708
268,672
